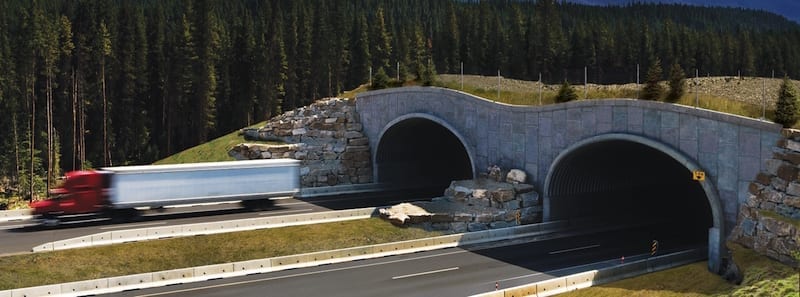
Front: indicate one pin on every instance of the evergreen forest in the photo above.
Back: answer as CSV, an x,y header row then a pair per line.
x,y
92,83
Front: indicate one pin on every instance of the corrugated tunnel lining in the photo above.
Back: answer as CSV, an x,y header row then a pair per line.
x,y
419,150
624,178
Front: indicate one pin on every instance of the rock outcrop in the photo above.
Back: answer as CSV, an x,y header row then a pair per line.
x,y
326,136
471,205
768,222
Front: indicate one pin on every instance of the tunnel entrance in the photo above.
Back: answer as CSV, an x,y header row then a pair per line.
x,y
629,180
419,150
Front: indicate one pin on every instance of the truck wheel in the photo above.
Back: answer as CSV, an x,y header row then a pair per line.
x,y
50,220
258,205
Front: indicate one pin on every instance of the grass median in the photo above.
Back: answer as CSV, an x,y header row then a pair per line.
x,y
37,269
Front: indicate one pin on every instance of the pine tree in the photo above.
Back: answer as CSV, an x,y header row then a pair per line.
x,y
566,93
677,83
652,89
786,112
380,80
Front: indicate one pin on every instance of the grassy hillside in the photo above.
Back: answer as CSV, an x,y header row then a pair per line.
x,y
762,277
213,151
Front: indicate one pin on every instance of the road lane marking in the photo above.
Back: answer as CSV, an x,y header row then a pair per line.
x,y
285,211
136,225
425,273
574,249
16,226
300,274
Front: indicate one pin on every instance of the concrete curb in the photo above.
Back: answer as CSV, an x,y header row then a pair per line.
x,y
15,215
143,234
203,273
600,276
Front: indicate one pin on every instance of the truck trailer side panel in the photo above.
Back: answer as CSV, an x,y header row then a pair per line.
x,y
162,185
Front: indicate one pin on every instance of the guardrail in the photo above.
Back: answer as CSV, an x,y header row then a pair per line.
x,y
142,234
203,273
15,215
600,276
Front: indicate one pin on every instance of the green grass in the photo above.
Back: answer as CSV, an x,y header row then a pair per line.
x,y
762,277
213,151
125,259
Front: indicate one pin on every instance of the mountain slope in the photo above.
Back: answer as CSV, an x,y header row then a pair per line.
x,y
788,9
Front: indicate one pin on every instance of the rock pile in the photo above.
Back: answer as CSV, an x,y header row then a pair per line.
x,y
768,222
326,136
471,205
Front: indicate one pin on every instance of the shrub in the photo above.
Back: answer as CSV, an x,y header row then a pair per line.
x,y
566,93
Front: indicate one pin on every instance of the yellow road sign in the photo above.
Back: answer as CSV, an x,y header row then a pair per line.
x,y
698,175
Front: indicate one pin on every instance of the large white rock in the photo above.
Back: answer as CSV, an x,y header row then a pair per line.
x,y
516,176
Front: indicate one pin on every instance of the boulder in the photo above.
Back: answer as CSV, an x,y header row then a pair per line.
x,y
516,176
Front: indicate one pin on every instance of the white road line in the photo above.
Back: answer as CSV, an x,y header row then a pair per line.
x,y
16,226
136,225
266,213
519,277
575,249
300,274
424,273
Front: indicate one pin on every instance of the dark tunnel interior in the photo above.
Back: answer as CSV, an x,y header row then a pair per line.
x,y
421,152
630,183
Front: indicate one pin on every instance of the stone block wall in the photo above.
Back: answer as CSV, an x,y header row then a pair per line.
x,y
768,221
325,136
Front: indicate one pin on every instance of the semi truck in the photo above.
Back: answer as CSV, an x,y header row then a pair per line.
x,y
120,192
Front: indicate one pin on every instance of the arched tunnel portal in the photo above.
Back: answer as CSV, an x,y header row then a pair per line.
x,y
421,150
628,179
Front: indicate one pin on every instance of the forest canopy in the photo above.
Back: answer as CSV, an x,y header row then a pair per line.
x,y
87,83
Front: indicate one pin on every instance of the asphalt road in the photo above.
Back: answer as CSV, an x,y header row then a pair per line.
x,y
447,272
20,236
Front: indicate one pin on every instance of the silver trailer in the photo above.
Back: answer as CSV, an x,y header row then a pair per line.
x,y
163,185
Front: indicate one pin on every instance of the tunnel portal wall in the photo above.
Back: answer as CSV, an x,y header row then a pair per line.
x,y
731,150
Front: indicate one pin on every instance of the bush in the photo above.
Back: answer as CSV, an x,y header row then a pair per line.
x,y
565,93
786,107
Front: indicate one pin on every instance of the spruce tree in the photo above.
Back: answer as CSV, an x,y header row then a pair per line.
x,y
566,93
786,108
677,83
380,80
652,90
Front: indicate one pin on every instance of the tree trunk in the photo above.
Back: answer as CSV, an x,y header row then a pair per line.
x,y
49,111
105,113
74,119
32,133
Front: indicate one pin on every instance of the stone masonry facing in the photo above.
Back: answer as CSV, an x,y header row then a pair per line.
x,y
325,136
768,221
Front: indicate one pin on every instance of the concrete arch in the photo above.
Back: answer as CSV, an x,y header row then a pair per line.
x,y
426,117
715,246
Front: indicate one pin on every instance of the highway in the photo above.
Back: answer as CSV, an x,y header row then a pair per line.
x,y
20,236
447,272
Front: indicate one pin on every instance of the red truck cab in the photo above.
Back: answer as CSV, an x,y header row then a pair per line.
x,y
82,192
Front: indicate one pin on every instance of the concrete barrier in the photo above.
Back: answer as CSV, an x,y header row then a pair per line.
x,y
186,275
175,274
50,290
83,286
211,270
527,290
551,286
15,215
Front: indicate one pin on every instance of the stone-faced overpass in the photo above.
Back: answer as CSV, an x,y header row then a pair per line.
x,y
591,158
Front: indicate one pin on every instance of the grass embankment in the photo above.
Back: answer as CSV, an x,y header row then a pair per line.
x,y
125,259
213,151
762,277
528,93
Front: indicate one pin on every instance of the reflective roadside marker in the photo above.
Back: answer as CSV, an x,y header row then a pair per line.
x,y
698,175
654,248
